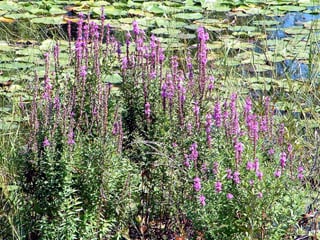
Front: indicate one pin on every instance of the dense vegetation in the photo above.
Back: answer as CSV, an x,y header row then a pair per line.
x,y
172,150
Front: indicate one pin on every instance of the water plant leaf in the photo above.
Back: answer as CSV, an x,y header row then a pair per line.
x,y
291,8
166,31
188,16
57,20
29,51
9,6
16,16
113,78
109,10
6,20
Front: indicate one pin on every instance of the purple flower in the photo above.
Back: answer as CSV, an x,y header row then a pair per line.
x,y
83,71
135,26
211,83
300,172
277,173
202,200
236,177
250,166
283,159
259,175
271,151
290,148
71,137
229,174
217,114
229,196
218,187
251,182
197,184
46,143
147,110
259,195
194,152
215,169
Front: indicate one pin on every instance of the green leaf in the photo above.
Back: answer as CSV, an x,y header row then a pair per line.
x,y
188,16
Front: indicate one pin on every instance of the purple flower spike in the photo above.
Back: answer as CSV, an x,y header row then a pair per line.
x,y
218,187
277,173
46,143
202,200
229,196
236,177
283,159
197,184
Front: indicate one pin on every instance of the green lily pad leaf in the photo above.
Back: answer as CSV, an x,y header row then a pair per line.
x,y
296,30
56,10
38,11
188,16
5,47
100,3
29,59
140,13
166,31
110,10
49,20
5,58
21,16
47,45
291,8
15,65
29,51
114,78
163,22
9,6
265,23
215,45
216,7
242,28
154,9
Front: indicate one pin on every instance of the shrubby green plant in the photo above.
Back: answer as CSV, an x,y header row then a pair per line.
x,y
169,156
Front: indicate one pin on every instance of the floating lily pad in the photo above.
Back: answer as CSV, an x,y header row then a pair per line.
x,y
242,28
110,10
114,78
15,65
265,22
29,51
296,30
291,8
165,31
6,20
56,10
49,20
139,12
188,16
9,6
21,16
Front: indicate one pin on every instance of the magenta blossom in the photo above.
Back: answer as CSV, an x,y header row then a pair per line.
x,y
229,196
202,200
218,186
197,184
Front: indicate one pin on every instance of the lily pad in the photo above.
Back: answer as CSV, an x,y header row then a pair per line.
x,y
21,16
48,20
165,31
188,16
291,8
114,78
